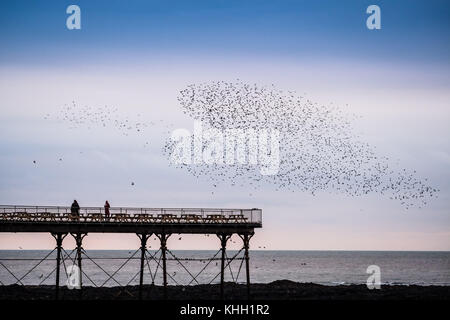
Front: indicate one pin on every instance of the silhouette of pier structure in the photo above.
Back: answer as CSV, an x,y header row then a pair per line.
x,y
144,222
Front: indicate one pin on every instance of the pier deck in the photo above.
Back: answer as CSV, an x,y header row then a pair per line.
x,y
56,219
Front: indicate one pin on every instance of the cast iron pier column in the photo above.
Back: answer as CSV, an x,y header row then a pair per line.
x,y
59,237
246,240
144,237
223,242
79,241
163,238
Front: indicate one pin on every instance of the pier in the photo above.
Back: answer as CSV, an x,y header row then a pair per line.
x,y
144,222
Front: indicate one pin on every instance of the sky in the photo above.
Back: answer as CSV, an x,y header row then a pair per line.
x,y
137,57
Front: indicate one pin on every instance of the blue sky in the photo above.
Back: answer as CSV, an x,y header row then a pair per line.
x,y
412,31
138,55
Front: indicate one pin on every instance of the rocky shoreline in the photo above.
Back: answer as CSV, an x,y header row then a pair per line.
x,y
277,290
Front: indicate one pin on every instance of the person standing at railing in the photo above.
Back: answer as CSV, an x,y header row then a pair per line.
x,y
75,208
107,206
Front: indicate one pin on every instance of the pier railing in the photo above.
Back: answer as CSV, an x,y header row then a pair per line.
x,y
130,215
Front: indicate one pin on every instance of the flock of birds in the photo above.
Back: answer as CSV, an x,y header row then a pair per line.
x,y
103,116
318,147
78,116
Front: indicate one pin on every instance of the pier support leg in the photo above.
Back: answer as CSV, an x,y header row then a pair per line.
x,y
79,242
163,238
246,239
59,237
144,237
223,242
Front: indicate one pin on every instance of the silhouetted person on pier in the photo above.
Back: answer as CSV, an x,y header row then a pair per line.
x,y
75,208
107,206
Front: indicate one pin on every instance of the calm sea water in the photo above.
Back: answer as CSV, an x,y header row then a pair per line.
x,y
323,267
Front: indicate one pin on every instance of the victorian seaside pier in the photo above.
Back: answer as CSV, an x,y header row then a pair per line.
x,y
61,222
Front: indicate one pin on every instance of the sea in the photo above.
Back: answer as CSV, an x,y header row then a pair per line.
x,y
187,267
